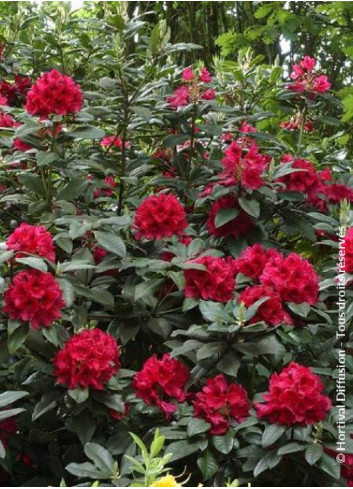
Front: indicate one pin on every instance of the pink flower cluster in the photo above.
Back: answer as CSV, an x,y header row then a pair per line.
x,y
193,90
306,79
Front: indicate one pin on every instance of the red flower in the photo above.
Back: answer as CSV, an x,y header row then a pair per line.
x,y
54,93
209,94
20,145
205,75
114,141
306,79
179,98
160,382
187,74
89,359
238,226
35,297
335,192
220,402
245,169
294,278
253,260
99,254
247,128
216,283
348,245
160,216
271,311
35,240
294,398
305,181
6,120
7,428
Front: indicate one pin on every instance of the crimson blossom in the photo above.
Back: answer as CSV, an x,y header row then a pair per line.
x,y
270,311
348,245
160,216
294,398
35,240
54,93
253,259
89,359
35,297
306,79
243,167
160,382
220,402
293,277
215,283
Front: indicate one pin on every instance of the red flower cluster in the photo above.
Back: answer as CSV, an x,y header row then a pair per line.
x,y
160,216
54,93
194,91
293,277
348,245
114,141
238,226
294,398
271,311
244,166
306,180
306,80
12,91
35,240
253,260
7,121
88,359
34,296
314,184
216,283
162,381
219,403
7,428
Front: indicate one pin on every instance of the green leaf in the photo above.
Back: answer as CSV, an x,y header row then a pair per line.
x,y
33,183
33,262
73,189
112,401
45,158
2,450
313,453
330,466
225,215
9,413
208,465
224,443
270,460
197,426
181,449
111,242
9,397
48,402
79,395
302,309
174,139
229,364
68,291
86,132
100,457
117,21
291,448
17,338
250,206
84,427
209,350
86,470
271,434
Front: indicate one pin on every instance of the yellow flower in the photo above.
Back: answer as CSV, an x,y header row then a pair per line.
x,y
166,481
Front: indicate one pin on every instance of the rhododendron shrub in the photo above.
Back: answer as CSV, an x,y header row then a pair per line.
x,y
169,259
